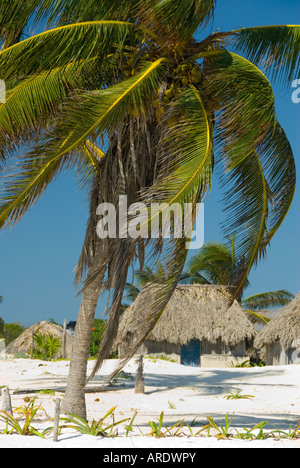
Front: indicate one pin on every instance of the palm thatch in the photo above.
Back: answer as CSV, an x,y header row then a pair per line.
x,y
195,312
24,342
285,328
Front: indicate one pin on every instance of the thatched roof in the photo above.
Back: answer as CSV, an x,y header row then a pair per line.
x,y
285,328
194,312
23,343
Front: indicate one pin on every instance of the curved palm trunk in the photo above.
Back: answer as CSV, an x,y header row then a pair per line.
x,y
122,175
74,400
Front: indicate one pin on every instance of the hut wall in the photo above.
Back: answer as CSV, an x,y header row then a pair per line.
x,y
221,361
220,348
276,355
159,348
269,354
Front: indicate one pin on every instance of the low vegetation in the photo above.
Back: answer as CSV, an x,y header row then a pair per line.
x,y
96,428
238,396
10,331
21,423
46,346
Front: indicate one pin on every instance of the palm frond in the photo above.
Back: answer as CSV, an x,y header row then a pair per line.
x,y
274,48
14,17
94,113
278,161
188,151
173,263
25,181
147,275
131,292
190,278
88,160
214,260
268,299
264,187
94,154
180,18
245,100
59,46
247,213
60,12
29,105
261,317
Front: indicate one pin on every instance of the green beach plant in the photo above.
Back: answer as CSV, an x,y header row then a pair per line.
x,y
292,433
22,424
96,428
159,429
223,432
255,433
46,346
238,396
130,427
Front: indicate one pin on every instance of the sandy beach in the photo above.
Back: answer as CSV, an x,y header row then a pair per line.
x,y
181,392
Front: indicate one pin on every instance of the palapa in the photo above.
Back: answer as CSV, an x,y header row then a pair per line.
x,y
285,328
195,312
23,343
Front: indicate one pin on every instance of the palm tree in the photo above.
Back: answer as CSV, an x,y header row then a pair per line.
x,y
216,263
125,94
148,276
141,279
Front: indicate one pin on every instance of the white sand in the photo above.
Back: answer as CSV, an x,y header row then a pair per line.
x,y
181,392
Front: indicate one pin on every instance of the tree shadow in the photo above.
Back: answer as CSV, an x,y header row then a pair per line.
x,y
212,382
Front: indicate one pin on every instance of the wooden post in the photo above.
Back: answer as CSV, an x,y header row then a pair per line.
x,y
56,419
64,341
140,382
6,400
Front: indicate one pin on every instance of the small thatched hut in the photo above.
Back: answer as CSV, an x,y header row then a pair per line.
x,y
24,342
196,328
280,338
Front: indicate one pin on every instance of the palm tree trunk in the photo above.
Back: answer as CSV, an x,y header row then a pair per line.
x,y
74,400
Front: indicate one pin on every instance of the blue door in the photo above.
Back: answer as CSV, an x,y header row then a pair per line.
x,y
190,353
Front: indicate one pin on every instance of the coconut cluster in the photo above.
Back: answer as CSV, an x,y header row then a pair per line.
x,y
182,77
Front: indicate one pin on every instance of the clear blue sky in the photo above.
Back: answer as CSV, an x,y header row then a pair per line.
x,y
38,256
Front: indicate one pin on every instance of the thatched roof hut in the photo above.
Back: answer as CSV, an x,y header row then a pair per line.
x,y
194,312
24,342
284,329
